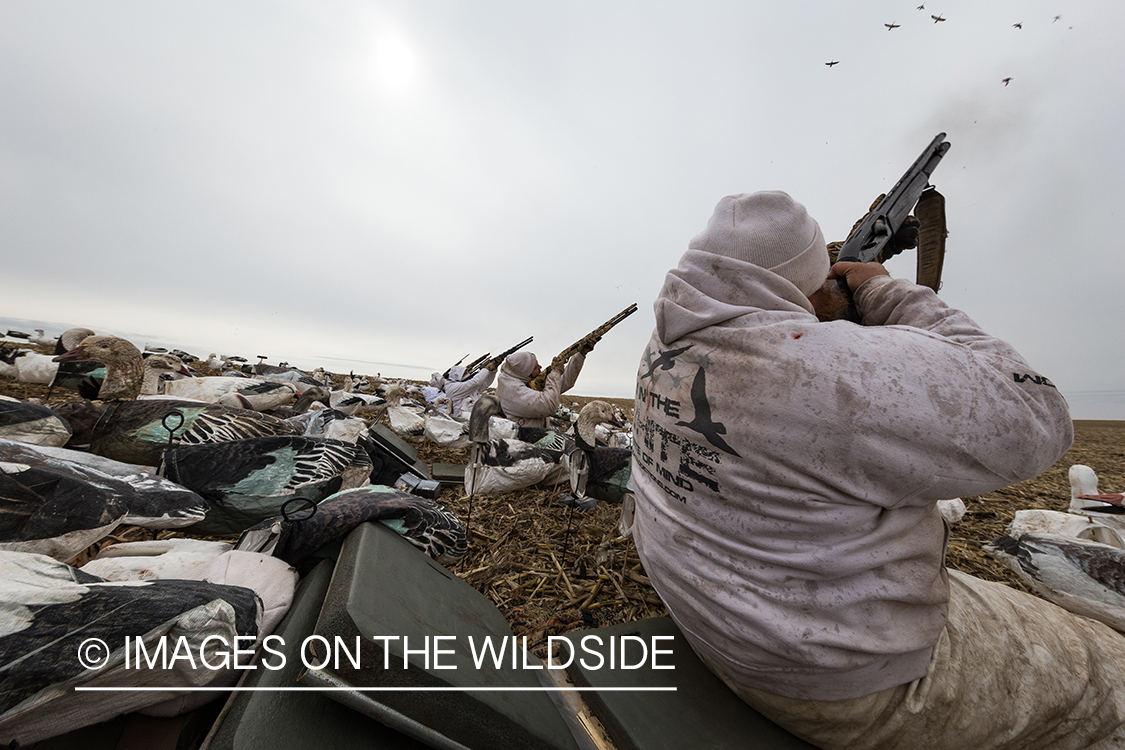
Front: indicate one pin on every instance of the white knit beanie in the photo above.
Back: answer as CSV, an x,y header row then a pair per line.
x,y
771,230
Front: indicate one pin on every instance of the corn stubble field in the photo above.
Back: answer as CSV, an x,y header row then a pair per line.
x,y
551,569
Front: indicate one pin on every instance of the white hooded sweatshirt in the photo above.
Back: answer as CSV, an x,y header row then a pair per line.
x,y
458,390
523,404
787,471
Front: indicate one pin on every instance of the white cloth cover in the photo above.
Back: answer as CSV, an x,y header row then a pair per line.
x,y
406,421
446,432
484,475
502,429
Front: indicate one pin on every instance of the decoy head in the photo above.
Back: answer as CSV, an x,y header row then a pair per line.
x,y
163,363
592,415
105,349
123,362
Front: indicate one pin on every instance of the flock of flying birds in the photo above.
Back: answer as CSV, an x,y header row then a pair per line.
x,y
938,19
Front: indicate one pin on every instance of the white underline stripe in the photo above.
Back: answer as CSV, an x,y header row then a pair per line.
x,y
171,689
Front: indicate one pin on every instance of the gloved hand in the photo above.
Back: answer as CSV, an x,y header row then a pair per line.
x,y
904,239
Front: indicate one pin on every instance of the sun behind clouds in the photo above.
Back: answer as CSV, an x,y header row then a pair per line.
x,y
396,61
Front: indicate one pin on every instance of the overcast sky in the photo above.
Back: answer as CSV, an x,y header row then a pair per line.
x,y
385,184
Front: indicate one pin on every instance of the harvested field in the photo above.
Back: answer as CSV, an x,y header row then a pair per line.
x,y
551,569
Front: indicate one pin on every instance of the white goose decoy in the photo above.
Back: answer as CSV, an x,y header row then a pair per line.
x,y
1086,578
43,339
71,338
237,393
597,472
1079,528
215,361
349,402
499,461
404,416
33,367
1087,501
8,356
155,366
186,559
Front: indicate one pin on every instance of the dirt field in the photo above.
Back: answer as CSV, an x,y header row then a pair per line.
x,y
552,570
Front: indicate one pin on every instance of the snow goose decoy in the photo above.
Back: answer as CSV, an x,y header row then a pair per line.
x,y
1085,500
238,393
404,416
598,471
152,501
43,339
249,480
427,525
1079,528
350,402
183,558
8,356
1086,578
300,380
123,361
329,423
58,502
52,609
52,508
215,361
507,465
155,367
136,432
32,367
26,422
71,338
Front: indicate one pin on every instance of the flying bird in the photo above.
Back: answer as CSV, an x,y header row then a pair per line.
x,y
1056,18
1017,25
834,62
1006,80
922,6
891,26
937,18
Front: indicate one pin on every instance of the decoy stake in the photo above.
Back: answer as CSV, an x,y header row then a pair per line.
x,y
172,430
295,518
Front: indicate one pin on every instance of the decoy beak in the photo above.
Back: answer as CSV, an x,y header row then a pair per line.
x,y
76,353
1114,497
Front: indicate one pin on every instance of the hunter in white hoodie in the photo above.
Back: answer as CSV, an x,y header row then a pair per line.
x,y
523,404
787,472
